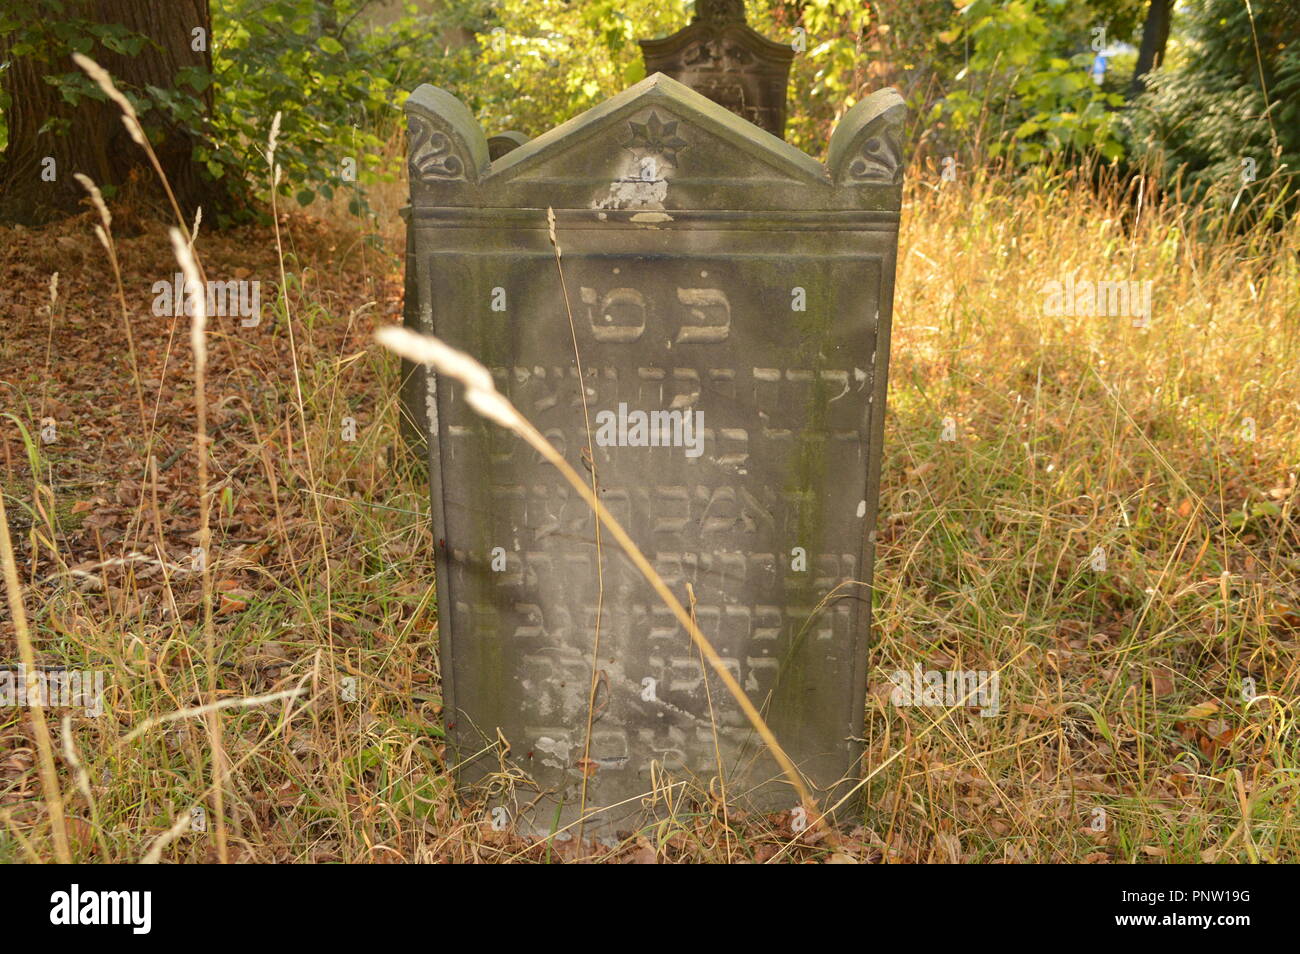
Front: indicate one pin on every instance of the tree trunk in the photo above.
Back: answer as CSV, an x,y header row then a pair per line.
x,y
95,142
1155,36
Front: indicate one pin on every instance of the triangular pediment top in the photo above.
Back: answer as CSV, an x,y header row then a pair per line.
x,y
683,104
658,146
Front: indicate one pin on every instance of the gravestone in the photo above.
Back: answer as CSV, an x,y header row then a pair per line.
x,y
731,301
721,57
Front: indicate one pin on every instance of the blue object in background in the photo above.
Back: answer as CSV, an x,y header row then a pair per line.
x,y
1098,68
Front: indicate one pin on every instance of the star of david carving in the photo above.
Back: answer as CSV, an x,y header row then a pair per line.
x,y
656,136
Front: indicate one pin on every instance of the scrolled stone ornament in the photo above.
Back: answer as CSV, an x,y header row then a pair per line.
x,y
446,144
432,157
867,145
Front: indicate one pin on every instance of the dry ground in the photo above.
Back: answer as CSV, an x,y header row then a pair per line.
x,y
1126,730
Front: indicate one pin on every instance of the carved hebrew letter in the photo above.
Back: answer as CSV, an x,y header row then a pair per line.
x,y
710,314
617,316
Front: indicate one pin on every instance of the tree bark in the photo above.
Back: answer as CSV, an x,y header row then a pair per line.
x,y
1155,37
96,143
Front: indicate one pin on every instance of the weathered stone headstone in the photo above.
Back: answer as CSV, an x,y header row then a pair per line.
x,y
721,57
731,300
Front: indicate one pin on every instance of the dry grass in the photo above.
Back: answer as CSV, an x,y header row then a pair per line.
x,y
1121,690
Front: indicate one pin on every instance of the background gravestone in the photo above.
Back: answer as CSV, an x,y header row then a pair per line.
x,y
712,269
503,142
719,56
